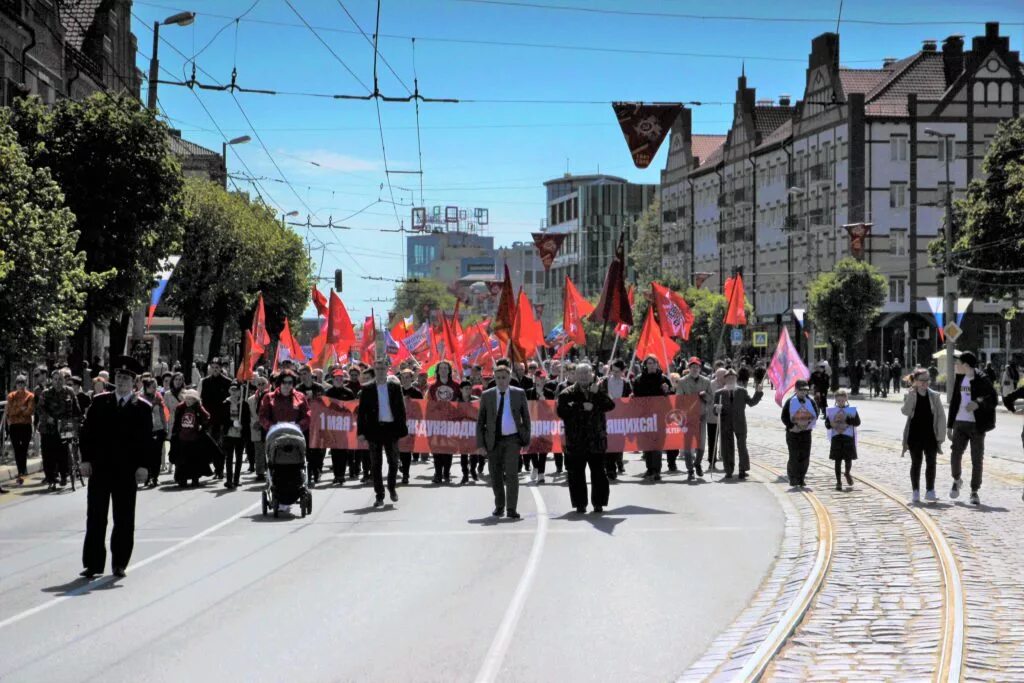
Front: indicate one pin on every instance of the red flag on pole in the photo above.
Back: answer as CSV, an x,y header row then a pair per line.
x,y
259,323
735,297
613,307
320,302
506,315
574,309
564,349
367,346
339,325
452,345
622,331
251,351
652,341
526,326
786,367
674,313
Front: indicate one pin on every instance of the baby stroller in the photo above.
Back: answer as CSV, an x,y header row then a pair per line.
x,y
286,469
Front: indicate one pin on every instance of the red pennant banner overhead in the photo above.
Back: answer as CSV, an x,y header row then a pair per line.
x,y
645,126
700,278
636,424
548,245
858,232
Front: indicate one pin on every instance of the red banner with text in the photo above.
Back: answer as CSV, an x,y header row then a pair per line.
x,y
636,424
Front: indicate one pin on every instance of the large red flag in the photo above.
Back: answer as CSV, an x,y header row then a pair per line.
x,y
259,323
674,313
526,327
735,297
367,346
622,331
574,309
613,306
402,329
506,314
339,325
289,342
251,351
452,344
320,302
786,367
653,341
564,349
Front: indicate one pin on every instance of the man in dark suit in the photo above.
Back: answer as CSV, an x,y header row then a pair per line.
x,y
502,429
731,407
213,391
114,441
582,408
381,421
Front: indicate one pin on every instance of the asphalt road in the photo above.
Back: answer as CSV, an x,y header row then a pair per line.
x,y
431,589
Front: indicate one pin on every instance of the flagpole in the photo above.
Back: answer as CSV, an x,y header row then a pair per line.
x,y
728,307
615,345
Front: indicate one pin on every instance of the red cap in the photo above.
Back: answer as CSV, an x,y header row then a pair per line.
x,y
693,361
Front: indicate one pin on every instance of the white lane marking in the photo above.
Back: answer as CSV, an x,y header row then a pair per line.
x,y
503,638
134,567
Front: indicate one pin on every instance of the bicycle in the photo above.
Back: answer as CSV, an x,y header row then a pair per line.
x,y
69,438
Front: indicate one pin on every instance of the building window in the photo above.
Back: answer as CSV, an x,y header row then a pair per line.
x,y
898,242
941,146
553,220
991,338
898,148
897,195
897,290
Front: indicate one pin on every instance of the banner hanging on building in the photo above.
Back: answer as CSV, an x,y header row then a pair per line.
x,y
645,126
548,245
636,424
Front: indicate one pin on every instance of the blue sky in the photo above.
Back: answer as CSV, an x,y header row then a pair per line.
x,y
487,154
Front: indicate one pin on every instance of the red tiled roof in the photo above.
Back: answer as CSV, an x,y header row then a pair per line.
x,y
778,135
923,74
767,119
705,145
861,80
714,158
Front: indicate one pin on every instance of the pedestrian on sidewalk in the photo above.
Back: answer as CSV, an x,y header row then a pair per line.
x,y
972,413
730,406
21,405
800,416
841,421
924,431
582,408
819,385
502,430
58,413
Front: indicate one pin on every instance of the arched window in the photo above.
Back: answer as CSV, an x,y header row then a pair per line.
x,y
993,93
1006,93
979,92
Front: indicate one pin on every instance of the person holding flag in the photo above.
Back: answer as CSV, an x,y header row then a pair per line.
x,y
730,405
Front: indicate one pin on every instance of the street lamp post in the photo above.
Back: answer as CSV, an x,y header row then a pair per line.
x,y
179,19
224,152
949,284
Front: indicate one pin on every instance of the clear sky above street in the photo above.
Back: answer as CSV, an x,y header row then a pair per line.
x,y
542,72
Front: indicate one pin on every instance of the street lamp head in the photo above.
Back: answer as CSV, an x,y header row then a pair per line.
x,y
291,214
180,19
796,191
240,140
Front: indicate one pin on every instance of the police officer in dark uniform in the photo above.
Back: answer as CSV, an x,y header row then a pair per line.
x,y
114,441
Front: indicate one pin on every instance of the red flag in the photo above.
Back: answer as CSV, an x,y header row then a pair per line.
x,y
506,314
339,325
524,330
548,245
699,278
320,302
786,367
453,349
564,349
674,314
402,329
574,308
367,346
323,353
251,351
622,331
288,341
259,323
652,341
735,314
613,307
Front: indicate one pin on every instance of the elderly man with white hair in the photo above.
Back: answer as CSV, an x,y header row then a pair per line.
x,y
582,408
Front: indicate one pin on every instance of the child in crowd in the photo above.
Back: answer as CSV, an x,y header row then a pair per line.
x,y
841,421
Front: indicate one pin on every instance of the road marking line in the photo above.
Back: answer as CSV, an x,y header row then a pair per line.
x,y
110,578
758,662
503,638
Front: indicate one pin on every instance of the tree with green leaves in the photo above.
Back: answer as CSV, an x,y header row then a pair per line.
x,y
646,250
988,224
43,282
843,303
420,296
114,165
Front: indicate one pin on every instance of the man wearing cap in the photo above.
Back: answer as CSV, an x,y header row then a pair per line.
x,y
972,413
800,415
695,384
114,442
731,403
213,391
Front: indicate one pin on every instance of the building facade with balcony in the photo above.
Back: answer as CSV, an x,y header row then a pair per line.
x,y
774,198
591,211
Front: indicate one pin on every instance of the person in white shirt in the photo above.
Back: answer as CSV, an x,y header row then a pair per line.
x,y
502,431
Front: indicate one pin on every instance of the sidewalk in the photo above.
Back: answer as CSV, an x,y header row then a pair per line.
x,y
9,470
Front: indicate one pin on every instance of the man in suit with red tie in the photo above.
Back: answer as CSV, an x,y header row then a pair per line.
x,y
502,430
381,421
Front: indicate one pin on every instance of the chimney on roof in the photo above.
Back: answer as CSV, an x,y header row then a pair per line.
x,y
784,100
768,102
992,30
928,45
887,62
953,57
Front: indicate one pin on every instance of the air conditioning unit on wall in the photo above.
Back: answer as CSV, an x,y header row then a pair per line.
x,y
924,333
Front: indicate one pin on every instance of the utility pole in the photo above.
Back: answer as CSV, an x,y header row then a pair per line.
x,y
949,284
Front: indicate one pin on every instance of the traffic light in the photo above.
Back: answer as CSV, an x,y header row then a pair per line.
x,y
337,280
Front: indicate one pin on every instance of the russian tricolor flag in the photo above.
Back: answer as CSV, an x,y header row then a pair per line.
x,y
162,278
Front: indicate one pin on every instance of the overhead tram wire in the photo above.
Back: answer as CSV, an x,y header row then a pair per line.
x,y
329,49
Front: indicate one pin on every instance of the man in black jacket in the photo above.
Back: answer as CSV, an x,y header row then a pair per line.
x,y
114,441
582,408
382,423
213,391
972,412
340,457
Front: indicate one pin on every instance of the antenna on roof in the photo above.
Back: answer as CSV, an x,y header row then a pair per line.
x,y
839,18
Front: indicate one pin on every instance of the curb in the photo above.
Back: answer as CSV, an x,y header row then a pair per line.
x,y
9,470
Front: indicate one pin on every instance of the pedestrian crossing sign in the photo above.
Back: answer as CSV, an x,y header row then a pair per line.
x,y
760,340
